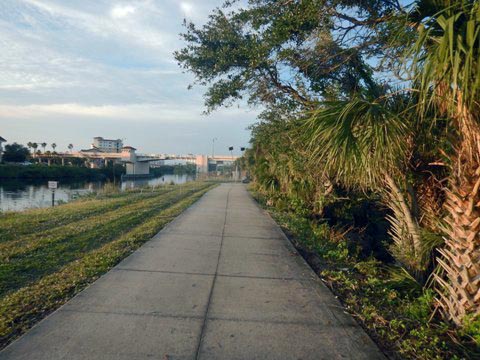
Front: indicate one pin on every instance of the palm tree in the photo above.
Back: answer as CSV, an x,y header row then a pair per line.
x,y
53,146
446,62
30,145
362,143
43,145
70,147
34,146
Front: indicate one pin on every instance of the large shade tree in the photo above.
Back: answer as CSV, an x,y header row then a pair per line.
x,y
15,153
276,51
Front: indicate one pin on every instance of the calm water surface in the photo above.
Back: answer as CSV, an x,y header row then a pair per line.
x,y
18,196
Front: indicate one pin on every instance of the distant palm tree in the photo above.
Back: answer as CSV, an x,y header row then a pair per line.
x,y
43,145
34,146
53,146
70,147
30,145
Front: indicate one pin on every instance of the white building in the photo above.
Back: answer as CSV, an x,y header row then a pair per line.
x,y
2,140
206,163
107,145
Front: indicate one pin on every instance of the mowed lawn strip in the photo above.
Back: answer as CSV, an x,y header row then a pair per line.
x,y
15,225
32,239
40,256
20,309
23,235
37,239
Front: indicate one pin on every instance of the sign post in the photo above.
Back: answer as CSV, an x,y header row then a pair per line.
x,y
53,185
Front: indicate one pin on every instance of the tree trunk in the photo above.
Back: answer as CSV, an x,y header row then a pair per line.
x,y
460,289
410,222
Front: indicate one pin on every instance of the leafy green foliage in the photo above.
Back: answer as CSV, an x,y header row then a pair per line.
x,y
275,50
385,299
446,54
15,153
357,141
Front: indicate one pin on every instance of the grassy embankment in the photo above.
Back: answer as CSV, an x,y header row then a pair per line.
x,y
49,255
394,309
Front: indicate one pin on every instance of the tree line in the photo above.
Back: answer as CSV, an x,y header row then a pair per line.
x,y
19,153
362,98
34,145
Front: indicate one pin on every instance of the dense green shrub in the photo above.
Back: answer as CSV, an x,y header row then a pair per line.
x,y
397,311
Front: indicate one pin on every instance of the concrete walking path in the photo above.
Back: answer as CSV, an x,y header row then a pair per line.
x,y
219,282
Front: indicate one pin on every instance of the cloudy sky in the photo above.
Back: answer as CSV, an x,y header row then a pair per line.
x,y
74,69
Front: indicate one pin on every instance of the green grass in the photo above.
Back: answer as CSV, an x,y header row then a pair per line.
x,y
48,255
16,225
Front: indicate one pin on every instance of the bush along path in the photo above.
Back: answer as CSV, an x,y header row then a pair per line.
x,y
43,267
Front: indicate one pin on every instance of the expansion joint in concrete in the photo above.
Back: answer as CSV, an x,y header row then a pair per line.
x,y
210,295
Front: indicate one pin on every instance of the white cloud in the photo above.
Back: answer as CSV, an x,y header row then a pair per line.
x,y
139,112
101,66
121,11
133,31
161,113
187,8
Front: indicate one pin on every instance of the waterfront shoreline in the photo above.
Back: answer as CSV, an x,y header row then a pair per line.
x,y
39,172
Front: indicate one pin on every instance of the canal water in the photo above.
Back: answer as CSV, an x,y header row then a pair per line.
x,y
18,196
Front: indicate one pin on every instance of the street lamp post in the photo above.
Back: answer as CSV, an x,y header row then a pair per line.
x,y
213,146
242,149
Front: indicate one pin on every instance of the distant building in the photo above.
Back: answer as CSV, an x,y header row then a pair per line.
x,y
107,145
2,140
206,163
135,167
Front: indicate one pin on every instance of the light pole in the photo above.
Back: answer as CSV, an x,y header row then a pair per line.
x,y
213,146
242,149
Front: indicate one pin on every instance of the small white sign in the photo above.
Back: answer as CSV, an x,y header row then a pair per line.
x,y
52,184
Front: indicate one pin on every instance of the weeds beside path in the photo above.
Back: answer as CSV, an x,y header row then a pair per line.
x,y
49,255
389,304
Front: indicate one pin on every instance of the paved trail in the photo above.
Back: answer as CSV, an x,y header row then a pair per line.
x,y
219,282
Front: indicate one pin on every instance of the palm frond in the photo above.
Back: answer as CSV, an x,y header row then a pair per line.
x,y
446,58
358,140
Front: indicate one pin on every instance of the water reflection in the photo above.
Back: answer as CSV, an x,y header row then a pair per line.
x,y
166,179
17,196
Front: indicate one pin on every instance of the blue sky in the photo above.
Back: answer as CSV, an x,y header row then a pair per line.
x,y
74,69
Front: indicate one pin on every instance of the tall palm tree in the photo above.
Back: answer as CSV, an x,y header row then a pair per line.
x,y
43,145
30,145
34,146
446,62
70,147
53,146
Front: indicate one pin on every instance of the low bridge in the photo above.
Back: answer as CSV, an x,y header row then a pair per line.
x,y
139,164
